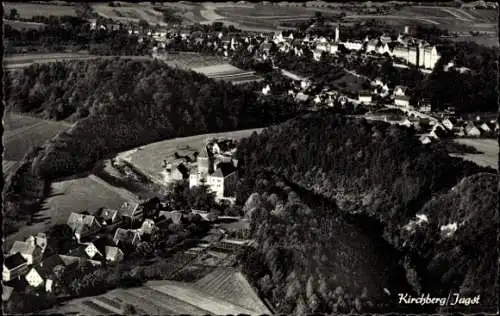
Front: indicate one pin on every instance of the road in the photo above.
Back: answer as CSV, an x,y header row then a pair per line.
x,y
26,60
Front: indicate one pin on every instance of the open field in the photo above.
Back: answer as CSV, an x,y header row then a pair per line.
x,y
20,25
487,147
148,159
132,12
14,62
170,297
28,10
73,195
19,141
212,66
228,72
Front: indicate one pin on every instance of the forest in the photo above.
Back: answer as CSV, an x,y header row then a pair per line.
x,y
385,174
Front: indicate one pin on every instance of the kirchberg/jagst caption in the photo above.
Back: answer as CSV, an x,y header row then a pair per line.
x,y
454,299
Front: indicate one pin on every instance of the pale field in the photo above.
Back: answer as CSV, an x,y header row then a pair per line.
x,y
28,10
149,159
20,25
488,148
19,141
130,12
218,69
73,195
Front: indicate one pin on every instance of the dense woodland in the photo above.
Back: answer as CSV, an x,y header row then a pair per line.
x,y
120,104
384,173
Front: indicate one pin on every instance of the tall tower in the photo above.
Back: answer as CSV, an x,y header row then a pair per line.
x,y
407,29
337,33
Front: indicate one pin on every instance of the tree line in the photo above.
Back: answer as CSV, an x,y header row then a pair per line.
x,y
383,172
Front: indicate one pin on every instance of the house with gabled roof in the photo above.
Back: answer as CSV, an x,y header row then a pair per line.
x,y
223,180
108,216
83,225
14,266
131,210
126,237
45,273
472,130
30,252
174,216
402,101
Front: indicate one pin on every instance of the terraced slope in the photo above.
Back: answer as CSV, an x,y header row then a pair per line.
x,y
232,286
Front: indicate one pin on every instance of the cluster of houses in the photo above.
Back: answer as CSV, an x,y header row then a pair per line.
x,y
215,165
102,238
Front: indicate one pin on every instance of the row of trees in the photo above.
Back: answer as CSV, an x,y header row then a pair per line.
x,y
383,172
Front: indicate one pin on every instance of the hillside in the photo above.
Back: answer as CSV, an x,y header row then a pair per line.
x,y
382,174
118,105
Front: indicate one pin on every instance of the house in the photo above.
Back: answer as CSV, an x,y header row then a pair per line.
x,y
178,173
471,130
223,180
174,216
449,123
485,127
83,225
78,260
400,90
365,97
402,101
30,252
132,211
126,237
45,273
108,216
301,97
14,266
147,226
425,139
39,240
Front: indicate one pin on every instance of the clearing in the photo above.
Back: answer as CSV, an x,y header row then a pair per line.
x,y
148,159
488,148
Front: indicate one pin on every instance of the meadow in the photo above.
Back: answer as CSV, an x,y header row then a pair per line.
x,y
28,10
488,148
73,195
149,159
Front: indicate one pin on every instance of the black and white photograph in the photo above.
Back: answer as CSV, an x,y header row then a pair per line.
x,y
250,158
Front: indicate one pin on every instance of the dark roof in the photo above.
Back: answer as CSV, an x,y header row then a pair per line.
x,y
183,170
17,284
107,214
46,267
14,260
224,169
124,235
101,243
79,252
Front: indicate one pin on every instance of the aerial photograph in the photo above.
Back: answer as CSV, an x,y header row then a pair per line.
x,y
250,158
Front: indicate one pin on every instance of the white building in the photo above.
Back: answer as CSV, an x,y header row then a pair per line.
x,y
402,101
355,45
365,98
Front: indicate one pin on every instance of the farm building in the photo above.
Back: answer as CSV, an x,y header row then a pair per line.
x,y
471,130
14,266
365,97
29,251
402,101
83,225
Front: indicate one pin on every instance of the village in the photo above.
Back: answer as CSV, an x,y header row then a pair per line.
x,y
389,102
107,237
197,238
